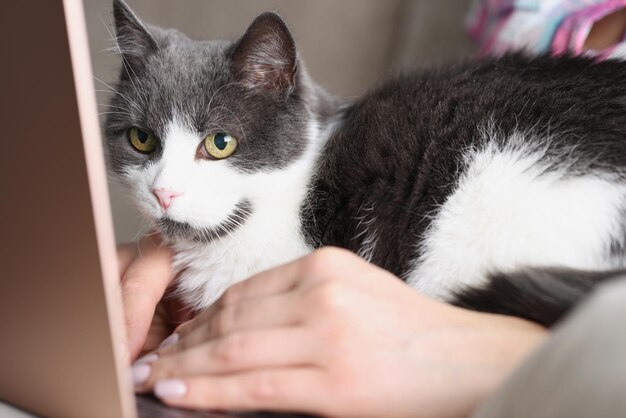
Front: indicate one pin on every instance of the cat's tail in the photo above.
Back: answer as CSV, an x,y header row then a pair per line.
x,y
539,295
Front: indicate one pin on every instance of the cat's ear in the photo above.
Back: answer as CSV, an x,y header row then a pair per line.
x,y
266,57
133,38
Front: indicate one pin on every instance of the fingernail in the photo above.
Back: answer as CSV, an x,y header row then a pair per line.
x,y
141,373
148,358
170,388
171,340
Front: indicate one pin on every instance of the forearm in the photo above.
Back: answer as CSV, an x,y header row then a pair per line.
x,y
578,372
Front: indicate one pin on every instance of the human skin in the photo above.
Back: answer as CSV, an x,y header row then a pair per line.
x,y
607,31
331,335
146,274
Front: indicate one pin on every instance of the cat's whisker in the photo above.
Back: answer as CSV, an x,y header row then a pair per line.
x,y
215,93
230,227
132,105
153,233
126,98
137,243
110,106
112,113
125,62
231,235
138,237
243,130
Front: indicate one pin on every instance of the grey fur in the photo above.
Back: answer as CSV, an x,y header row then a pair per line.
x,y
261,96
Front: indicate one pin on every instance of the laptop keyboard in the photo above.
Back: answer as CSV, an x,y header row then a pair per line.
x,y
150,407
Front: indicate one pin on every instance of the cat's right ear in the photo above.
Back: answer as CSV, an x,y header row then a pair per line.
x,y
132,37
266,57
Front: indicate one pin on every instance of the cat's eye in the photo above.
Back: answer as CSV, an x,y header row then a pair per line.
x,y
141,140
220,145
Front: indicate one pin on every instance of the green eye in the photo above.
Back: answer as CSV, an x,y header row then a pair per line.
x,y
141,140
220,145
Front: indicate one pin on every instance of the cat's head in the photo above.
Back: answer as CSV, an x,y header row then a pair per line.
x,y
205,132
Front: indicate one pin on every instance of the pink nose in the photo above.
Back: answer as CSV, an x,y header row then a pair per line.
x,y
165,197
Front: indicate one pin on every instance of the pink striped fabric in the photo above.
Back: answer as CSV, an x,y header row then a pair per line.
x,y
540,26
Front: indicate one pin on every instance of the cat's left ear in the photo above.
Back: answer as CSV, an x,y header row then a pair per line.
x,y
266,57
133,38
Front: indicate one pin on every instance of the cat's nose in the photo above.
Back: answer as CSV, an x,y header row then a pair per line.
x,y
165,197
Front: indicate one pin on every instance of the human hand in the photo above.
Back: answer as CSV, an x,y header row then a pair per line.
x,y
146,274
332,335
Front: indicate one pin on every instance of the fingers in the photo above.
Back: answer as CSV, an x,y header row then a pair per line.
x,y
277,280
293,277
276,347
320,265
271,282
143,285
267,312
298,389
169,313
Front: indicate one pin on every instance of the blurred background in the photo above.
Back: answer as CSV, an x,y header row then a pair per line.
x,y
347,45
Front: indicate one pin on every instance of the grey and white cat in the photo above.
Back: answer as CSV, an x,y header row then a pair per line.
x,y
497,184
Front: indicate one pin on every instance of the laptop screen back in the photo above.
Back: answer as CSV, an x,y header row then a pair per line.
x,y
56,346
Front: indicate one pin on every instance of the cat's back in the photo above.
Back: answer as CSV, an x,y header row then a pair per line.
x,y
401,152
453,104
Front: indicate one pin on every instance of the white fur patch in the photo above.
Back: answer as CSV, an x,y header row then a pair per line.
x,y
210,191
508,212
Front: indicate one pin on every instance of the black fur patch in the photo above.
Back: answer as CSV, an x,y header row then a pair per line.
x,y
397,152
539,295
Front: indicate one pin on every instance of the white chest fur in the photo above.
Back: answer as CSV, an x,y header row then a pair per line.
x,y
270,236
209,269
507,212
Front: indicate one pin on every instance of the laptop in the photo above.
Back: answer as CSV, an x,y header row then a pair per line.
x,y
61,320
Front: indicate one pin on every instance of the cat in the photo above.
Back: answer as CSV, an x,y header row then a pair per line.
x,y
496,184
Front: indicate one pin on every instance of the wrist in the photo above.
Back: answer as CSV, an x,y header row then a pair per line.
x,y
502,343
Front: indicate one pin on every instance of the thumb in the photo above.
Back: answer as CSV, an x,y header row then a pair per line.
x,y
143,285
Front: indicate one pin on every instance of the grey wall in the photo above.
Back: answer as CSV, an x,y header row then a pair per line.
x,y
347,45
